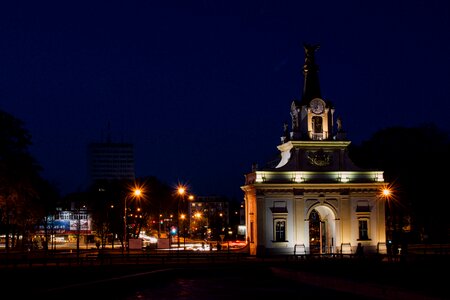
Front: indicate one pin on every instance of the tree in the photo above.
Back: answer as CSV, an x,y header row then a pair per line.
x,y
414,161
106,203
44,206
20,199
160,200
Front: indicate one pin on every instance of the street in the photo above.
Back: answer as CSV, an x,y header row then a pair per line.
x,y
247,278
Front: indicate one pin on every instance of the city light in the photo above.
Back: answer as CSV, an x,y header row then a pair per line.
x,y
181,191
136,193
387,192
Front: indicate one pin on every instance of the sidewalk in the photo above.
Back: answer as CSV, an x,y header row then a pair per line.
x,y
364,289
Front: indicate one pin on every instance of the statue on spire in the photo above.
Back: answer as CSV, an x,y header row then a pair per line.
x,y
286,135
311,86
309,55
339,124
340,133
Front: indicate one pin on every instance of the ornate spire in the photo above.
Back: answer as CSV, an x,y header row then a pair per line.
x,y
311,86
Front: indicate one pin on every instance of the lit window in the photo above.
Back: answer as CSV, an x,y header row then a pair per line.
x,y
280,230
363,229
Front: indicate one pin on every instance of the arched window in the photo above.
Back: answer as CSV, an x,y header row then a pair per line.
x,y
317,124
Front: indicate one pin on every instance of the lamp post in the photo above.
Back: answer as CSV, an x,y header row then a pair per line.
x,y
181,192
387,194
137,194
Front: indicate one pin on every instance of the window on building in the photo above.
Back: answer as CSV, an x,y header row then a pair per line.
x,y
317,124
280,230
363,229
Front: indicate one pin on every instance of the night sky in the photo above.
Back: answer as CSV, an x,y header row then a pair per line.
x,y
202,88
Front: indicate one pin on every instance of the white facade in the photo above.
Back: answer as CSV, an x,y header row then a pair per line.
x,y
340,206
312,199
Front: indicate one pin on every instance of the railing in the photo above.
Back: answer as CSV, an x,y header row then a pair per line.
x,y
317,136
106,257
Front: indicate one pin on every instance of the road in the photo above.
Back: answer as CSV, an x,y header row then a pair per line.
x,y
194,282
248,278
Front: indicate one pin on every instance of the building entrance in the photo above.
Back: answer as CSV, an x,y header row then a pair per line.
x,y
321,230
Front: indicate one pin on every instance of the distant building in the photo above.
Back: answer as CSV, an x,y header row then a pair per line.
x,y
312,199
110,161
209,217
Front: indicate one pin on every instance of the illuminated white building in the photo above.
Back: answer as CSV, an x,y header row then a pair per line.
x,y
313,199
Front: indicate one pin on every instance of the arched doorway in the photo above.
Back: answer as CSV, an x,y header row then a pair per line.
x,y
322,230
314,232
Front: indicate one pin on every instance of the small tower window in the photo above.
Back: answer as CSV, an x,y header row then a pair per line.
x,y
317,124
317,128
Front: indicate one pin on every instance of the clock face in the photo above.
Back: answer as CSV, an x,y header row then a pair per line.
x,y
316,106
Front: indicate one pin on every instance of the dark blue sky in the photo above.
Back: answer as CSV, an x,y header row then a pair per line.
x,y
202,90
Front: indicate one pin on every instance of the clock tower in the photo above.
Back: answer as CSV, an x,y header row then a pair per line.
x,y
312,199
312,117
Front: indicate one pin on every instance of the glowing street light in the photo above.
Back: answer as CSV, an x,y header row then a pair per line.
x,y
181,190
387,193
135,193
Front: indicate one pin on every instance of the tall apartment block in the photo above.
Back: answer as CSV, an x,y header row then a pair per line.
x,y
109,161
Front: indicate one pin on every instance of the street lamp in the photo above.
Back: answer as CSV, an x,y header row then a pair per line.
x,y
387,193
181,192
135,193
183,216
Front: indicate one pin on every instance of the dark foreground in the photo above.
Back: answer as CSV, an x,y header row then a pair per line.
x,y
248,278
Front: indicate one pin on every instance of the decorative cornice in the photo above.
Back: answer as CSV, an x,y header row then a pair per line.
x,y
263,190
321,144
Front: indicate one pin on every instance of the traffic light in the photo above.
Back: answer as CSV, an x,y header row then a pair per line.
x,y
173,230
